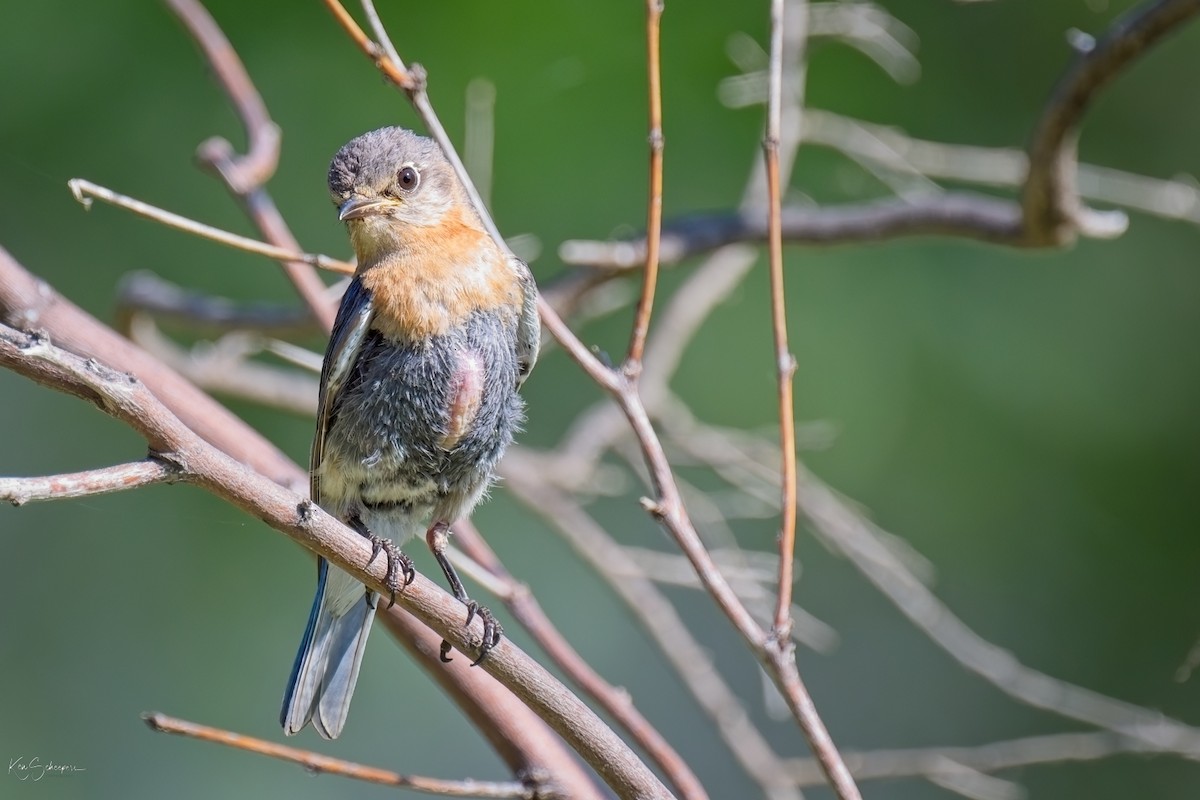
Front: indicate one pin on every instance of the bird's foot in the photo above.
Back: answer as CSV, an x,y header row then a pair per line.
x,y
400,569
493,631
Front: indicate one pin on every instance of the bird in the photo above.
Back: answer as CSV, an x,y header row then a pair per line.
x,y
436,333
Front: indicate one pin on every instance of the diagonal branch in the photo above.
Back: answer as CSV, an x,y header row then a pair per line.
x,y
525,743
522,604
317,763
124,397
85,191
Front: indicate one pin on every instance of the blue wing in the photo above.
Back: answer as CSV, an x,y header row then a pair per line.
x,y
326,666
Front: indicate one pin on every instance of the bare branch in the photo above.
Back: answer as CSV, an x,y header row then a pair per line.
x,y
258,165
225,367
118,478
143,292
317,763
245,176
121,395
380,32
961,214
847,533
1053,213
654,611
30,304
522,604
645,306
785,362
524,741
993,757
84,190
1050,212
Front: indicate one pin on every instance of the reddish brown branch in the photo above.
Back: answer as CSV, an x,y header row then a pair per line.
x,y
317,763
777,647
645,306
785,363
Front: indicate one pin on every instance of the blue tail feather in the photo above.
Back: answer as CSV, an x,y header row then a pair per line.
x,y
327,663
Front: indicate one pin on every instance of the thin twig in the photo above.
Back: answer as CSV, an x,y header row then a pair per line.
x,y
889,148
849,534
645,306
778,647
258,164
785,362
479,137
144,293
691,660
317,763
380,32
522,604
104,480
84,190
992,757
225,367
246,176
393,70
1050,212
412,80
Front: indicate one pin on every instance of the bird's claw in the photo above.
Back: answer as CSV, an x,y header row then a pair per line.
x,y
399,566
493,631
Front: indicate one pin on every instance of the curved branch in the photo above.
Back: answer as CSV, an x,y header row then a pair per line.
x,y
245,176
1049,213
1053,213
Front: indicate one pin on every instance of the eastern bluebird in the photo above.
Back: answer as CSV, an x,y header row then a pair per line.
x,y
418,399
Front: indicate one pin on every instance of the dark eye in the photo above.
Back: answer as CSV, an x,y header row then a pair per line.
x,y
408,178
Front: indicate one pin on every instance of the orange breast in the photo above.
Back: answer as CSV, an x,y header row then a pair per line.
x,y
436,277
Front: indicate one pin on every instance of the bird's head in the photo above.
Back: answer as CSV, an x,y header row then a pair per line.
x,y
387,180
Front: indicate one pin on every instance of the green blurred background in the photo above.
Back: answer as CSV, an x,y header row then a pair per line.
x,y
1026,420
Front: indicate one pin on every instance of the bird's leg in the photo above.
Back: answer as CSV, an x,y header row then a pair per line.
x,y
437,537
398,564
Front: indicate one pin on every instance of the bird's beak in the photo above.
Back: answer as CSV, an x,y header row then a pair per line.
x,y
358,207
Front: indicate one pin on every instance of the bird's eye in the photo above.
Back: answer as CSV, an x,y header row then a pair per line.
x,y
408,178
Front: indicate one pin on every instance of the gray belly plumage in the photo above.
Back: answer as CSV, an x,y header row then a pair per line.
x,y
386,455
